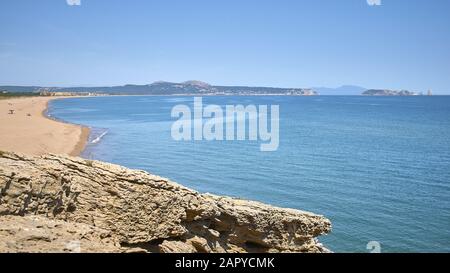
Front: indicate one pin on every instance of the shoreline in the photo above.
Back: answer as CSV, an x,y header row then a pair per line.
x,y
85,131
29,129
82,142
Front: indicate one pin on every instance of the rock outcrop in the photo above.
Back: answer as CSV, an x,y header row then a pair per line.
x,y
386,92
62,204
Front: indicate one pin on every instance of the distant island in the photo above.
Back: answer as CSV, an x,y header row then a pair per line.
x,y
162,88
387,92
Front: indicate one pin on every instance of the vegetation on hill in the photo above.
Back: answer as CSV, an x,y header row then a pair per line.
x,y
6,95
168,88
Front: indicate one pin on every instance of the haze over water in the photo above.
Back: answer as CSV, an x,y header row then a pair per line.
x,y
377,167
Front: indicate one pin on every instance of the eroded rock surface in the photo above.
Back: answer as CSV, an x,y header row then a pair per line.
x,y
115,209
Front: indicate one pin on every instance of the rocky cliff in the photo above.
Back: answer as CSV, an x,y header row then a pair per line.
x,y
64,204
387,92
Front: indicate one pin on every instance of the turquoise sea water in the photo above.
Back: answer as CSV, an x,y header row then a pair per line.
x,y
377,167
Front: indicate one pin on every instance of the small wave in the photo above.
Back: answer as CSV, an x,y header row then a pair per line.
x,y
96,140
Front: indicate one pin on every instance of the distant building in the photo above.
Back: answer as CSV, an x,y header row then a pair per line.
x,y
45,93
430,93
48,93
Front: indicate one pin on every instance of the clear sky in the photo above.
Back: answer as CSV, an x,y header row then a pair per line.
x,y
400,44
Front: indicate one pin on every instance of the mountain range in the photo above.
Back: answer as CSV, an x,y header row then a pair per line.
x,y
190,87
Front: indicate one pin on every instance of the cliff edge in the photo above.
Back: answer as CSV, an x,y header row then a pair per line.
x,y
66,204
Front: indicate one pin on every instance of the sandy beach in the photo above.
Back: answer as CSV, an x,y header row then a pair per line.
x,y
29,131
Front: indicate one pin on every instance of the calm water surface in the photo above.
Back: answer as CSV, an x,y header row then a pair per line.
x,y
377,167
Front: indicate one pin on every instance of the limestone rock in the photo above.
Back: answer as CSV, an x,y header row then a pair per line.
x,y
137,211
40,234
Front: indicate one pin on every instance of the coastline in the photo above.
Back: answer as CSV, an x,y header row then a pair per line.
x,y
29,130
82,142
85,131
181,230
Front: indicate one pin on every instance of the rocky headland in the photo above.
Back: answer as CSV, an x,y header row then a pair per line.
x,y
387,92
55,203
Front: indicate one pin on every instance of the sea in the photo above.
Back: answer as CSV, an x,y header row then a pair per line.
x,y
377,167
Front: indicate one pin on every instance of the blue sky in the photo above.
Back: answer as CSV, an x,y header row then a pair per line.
x,y
402,44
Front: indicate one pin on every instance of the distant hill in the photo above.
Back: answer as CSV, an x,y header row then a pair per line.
x,y
169,88
343,90
17,89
